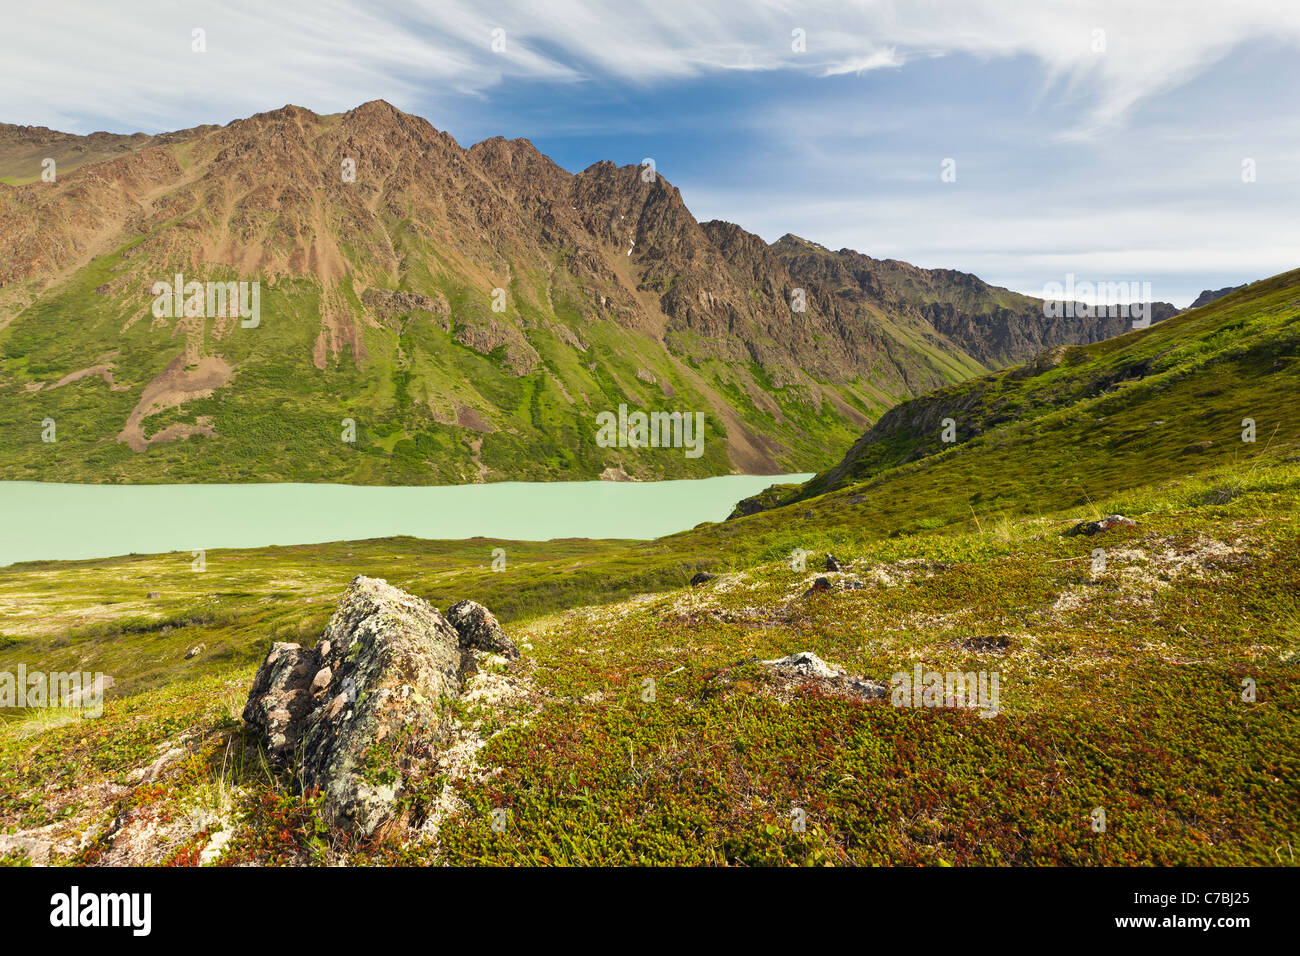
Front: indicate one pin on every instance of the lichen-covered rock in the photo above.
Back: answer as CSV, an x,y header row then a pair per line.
x,y
1089,528
366,707
806,667
478,629
805,663
279,698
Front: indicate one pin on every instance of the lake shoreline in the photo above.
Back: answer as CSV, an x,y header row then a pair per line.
x,y
53,521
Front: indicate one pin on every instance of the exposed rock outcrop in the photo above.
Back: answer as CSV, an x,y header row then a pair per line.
x,y
357,713
1212,295
279,698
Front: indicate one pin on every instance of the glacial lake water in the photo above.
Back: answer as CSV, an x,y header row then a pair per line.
x,y
52,521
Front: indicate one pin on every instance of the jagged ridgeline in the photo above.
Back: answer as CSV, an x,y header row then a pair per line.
x,y
409,311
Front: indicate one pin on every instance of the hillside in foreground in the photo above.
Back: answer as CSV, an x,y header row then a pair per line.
x,y
1212,384
1155,682
1120,689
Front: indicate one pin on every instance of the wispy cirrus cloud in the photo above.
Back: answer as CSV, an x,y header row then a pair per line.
x,y
860,64
132,62
1106,133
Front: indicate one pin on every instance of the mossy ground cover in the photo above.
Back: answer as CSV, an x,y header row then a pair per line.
x,y
1121,689
1158,687
100,612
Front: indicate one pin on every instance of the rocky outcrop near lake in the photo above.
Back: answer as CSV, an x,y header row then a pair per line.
x,y
354,716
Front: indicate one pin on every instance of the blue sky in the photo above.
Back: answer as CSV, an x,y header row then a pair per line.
x,y
1103,139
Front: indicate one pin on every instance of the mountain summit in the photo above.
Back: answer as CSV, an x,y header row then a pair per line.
x,y
427,313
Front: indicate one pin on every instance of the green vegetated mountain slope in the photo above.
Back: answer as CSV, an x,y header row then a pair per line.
x,y
1158,685
1087,420
379,304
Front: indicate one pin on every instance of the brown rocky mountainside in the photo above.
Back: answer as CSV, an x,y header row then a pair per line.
x,y
26,152
470,310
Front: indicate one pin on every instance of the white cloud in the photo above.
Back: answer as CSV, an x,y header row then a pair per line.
x,y
131,61
860,64
1167,201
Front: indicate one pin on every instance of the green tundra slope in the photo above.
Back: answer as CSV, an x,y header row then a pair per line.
x,y
1158,686
1088,420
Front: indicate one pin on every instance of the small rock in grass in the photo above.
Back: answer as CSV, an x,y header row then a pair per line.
x,y
1090,528
478,629
804,662
806,667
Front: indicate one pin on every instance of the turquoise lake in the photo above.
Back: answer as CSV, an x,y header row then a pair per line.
x,y
51,521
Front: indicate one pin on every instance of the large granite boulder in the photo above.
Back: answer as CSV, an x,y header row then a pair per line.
x,y
357,713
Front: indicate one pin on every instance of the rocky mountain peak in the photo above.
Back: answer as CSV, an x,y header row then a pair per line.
x,y
1210,295
791,241
398,243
